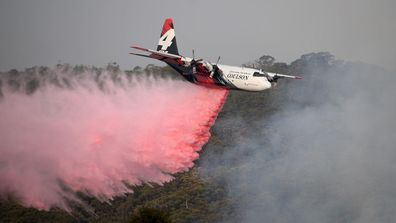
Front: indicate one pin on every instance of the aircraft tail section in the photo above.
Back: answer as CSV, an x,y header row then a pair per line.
x,y
167,41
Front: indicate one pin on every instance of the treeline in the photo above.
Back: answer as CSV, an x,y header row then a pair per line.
x,y
199,195
30,79
62,76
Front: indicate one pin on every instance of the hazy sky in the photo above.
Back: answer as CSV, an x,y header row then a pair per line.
x,y
44,32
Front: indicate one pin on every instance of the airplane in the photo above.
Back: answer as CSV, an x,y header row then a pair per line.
x,y
205,73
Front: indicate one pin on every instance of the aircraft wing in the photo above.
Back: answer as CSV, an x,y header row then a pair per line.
x,y
277,76
155,54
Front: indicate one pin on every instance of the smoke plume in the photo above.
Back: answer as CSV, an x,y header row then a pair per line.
x,y
97,132
327,155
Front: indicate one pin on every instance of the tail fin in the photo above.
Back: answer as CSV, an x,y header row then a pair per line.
x,y
167,41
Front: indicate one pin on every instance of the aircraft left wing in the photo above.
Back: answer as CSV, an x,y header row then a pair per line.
x,y
155,53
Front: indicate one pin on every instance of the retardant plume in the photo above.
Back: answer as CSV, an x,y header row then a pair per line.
x,y
97,131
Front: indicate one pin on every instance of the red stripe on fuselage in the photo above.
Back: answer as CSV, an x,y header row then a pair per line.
x,y
202,75
203,79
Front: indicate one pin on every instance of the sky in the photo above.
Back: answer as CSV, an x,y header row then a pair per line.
x,y
46,32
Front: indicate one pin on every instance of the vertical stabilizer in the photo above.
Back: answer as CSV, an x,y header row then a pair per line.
x,y
167,41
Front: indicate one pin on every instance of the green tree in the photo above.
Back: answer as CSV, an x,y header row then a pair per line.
x,y
151,215
264,63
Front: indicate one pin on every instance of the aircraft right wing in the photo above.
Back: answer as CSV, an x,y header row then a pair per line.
x,y
277,76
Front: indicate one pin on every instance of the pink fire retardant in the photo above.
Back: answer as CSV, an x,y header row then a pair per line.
x,y
95,140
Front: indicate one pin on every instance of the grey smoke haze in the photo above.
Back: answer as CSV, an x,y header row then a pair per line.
x,y
43,32
329,156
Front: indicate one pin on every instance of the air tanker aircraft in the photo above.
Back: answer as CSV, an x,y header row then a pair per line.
x,y
206,73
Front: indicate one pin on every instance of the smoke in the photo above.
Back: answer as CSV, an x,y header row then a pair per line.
x,y
97,132
327,155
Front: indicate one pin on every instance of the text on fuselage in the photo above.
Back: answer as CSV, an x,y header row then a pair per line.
x,y
238,75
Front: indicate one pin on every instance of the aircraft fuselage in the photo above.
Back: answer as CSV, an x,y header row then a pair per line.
x,y
206,73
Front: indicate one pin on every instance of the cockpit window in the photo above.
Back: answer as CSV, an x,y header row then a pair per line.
x,y
258,74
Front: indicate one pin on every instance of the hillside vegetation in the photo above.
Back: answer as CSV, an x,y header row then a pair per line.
x,y
200,194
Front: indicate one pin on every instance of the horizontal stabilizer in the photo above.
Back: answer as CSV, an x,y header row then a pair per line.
x,y
138,54
162,54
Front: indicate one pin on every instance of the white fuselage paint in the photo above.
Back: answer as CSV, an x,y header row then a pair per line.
x,y
242,78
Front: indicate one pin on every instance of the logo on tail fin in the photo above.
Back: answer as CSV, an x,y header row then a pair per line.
x,y
167,41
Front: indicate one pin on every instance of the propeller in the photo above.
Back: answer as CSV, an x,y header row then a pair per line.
x,y
218,59
194,62
215,67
